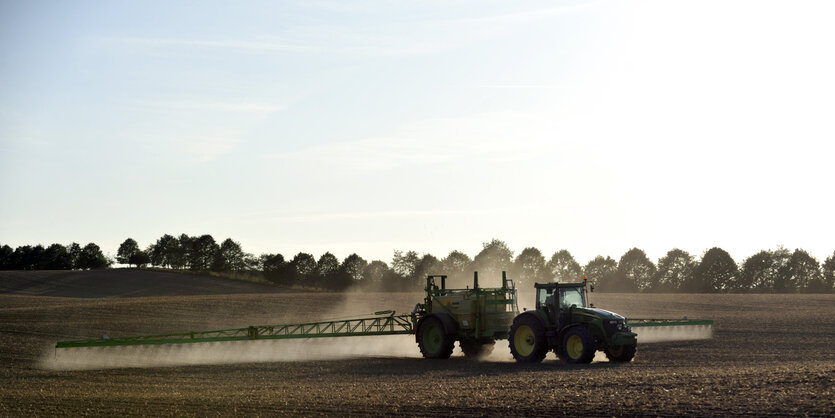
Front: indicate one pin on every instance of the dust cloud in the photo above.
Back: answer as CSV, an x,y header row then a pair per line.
x,y
230,352
258,351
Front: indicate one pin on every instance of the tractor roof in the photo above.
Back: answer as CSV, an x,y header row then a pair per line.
x,y
556,285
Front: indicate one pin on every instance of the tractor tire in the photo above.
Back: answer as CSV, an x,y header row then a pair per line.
x,y
527,339
433,340
621,353
476,348
578,346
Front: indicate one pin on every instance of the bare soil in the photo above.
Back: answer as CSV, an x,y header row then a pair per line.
x,y
771,355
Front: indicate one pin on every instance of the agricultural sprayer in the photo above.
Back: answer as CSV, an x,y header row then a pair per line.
x,y
475,317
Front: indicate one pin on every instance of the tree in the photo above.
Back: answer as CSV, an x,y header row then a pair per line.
x,y
274,268
601,272
782,279
18,257
326,270
350,272
184,260
127,250
757,273
494,258
230,257
166,252
635,272
456,266
36,257
427,265
405,265
376,271
829,273
139,259
354,267
715,273
804,272
6,257
56,257
303,269
155,257
252,263
563,268
203,251
27,257
75,253
673,270
91,257
529,266
765,271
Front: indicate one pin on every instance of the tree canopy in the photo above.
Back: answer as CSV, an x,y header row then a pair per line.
x,y
529,266
829,273
635,272
91,257
562,267
715,273
673,270
494,258
601,272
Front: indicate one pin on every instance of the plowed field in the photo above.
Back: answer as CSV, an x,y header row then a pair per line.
x,y
771,355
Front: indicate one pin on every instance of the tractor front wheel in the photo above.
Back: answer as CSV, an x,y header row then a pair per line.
x,y
621,353
476,348
578,345
433,340
527,339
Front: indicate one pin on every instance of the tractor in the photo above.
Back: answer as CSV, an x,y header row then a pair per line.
x,y
565,323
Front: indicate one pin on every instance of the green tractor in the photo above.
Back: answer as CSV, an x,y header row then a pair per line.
x,y
565,323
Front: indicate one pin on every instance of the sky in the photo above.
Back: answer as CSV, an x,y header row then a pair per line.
x,y
374,126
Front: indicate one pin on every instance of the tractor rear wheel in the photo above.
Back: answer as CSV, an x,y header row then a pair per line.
x,y
578,345
433,340
527,339
621,353
476,348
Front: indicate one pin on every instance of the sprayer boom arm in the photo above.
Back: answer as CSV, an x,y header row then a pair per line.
x,y
656,322
386,324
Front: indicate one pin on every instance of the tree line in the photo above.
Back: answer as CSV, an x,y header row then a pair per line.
x,y
768,271
54,257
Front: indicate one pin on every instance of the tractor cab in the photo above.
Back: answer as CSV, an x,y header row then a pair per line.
x,y
557,299
559,296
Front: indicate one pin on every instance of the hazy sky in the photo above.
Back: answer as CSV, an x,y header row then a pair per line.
x,y
430,126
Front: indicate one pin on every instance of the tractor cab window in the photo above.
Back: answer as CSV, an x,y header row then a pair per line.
x,y
572,296
542,295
